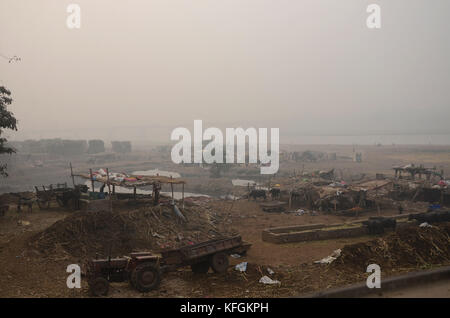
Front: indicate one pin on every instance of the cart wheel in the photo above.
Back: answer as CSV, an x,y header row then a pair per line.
x,y
99,286
219,262
41,204
200,268
60,202
146,277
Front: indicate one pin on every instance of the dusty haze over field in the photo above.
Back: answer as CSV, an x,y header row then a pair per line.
x,y
138,69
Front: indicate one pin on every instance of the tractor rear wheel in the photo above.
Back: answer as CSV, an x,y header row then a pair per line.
x,y
200,268
146,277
219,262
99,286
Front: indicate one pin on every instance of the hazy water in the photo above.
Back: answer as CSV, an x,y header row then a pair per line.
x,y
157,172
438,139
242,182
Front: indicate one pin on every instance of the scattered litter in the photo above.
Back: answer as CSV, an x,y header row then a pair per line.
x,y
270,271
242,267
268,281
434,207
329,259
235,256
157,235
24,223
178,212
425,224
301,212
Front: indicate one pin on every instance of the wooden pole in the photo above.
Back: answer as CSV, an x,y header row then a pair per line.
x,y
107,181
92,180
109,189
290,199
182,194
71,174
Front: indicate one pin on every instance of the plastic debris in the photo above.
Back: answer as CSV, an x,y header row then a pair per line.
x,y
425,224
178,212
329,259
242,267
235,256
270,271
268,281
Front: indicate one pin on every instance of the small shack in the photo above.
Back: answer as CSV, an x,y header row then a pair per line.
x,y
113,180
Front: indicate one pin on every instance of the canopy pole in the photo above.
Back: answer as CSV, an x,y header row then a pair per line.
x,y
71,174
92,180
109,189
107,181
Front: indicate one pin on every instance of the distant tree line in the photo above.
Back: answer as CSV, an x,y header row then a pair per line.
x,y
70,147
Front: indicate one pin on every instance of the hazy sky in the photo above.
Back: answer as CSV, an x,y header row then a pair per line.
x,y
138,69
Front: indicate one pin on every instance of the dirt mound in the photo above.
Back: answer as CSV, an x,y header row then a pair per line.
x,y
407,247
83,234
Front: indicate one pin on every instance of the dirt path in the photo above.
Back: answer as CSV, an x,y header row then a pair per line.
x,y
439,289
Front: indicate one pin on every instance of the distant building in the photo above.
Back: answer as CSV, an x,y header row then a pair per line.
x,y
121,146
96,146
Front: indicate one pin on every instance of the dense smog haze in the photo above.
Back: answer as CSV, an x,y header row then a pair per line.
x,y
223,156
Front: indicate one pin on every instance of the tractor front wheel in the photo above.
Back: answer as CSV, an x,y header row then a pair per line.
x,y
99,286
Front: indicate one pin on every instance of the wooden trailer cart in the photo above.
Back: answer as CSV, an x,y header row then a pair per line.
x,y
65,197
144,269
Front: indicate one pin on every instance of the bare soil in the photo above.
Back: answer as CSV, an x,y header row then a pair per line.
x,y
29,269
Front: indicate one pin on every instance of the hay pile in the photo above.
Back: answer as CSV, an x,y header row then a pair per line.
x,y
83,234
407,247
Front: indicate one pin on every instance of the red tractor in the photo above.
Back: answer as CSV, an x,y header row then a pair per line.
x,y
144,269
141,269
